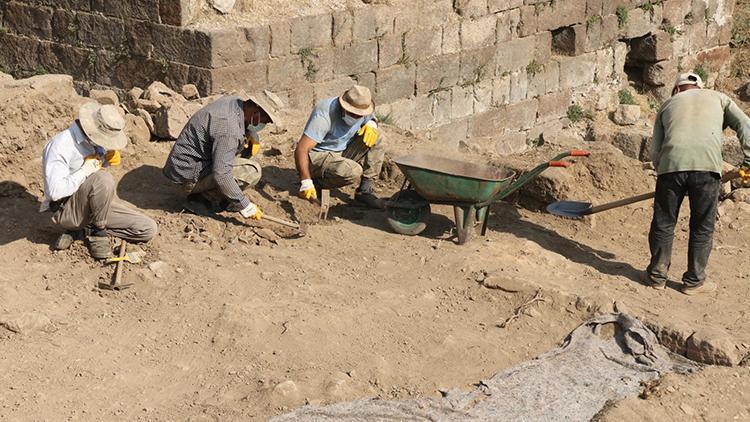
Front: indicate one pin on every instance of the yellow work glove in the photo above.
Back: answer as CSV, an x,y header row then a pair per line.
x,y
745,174
307,190
252,211
112,158
369,134
253,144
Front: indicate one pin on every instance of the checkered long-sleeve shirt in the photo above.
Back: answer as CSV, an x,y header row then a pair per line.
x,y
209,143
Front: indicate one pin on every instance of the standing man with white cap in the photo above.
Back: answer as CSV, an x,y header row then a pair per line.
x,y
688,134
213,156
79,193
341,146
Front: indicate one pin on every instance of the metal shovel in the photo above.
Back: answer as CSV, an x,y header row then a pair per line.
x,y
581,208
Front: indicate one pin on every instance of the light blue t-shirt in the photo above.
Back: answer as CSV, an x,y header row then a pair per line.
x,y
327,128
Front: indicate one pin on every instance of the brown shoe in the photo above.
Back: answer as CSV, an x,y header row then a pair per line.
x,y
99,247
706,287
647,281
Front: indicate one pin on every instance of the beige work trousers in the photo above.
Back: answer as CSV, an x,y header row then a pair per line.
x,y
246,171
94,204
357,161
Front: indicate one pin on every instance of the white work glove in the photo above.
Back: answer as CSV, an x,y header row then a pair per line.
x,y
307,190
252,211
91,166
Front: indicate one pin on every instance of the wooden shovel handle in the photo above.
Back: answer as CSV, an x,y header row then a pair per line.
x,y
280,221
627,201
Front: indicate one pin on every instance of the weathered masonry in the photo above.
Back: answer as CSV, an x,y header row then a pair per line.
x,y
451,69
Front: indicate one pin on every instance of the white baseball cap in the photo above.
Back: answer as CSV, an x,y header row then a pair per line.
x,y
689,79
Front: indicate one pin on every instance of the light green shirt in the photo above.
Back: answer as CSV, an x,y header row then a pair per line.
x,y
688,131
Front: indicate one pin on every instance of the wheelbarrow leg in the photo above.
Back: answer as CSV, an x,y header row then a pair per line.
x,y
482,215
465,219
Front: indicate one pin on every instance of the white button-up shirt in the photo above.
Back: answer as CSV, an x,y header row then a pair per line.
x,y
62,159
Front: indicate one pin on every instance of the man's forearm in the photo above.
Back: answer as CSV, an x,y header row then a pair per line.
x,y
302,162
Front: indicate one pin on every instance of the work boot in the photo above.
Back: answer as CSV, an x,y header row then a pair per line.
x,y
365,195
99,246
705,287
648,281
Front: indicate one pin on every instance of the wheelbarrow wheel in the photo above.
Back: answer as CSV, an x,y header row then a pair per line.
x,y
408,213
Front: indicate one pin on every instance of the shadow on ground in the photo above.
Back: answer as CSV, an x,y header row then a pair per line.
x,y
20,217
148,189
505,218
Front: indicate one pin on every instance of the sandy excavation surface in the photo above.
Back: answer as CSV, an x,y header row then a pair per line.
x,y
235,321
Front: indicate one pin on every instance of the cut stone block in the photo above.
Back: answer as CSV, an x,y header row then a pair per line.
x,y
651,48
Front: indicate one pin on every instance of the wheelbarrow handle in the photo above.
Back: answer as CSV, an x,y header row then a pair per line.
x,y
523,179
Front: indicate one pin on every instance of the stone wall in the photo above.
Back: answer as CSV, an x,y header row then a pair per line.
x,y
482,70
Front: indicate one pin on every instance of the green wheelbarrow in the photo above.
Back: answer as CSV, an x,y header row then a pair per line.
x,y
469,188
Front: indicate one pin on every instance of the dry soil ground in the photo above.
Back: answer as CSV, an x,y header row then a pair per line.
x,y
235,321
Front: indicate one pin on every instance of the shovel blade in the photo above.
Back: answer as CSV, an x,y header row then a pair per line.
x,y
569,208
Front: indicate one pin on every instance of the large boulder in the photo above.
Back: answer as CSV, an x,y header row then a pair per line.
x,y
169,121
162,94
136,129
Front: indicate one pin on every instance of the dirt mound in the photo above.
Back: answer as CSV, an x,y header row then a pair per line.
x,y
31,111
604,176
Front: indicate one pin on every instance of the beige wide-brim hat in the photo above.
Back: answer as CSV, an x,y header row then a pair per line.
x,y
103,125
269,103
357,100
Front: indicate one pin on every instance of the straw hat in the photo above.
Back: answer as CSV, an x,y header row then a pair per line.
x,y
103,125
357,100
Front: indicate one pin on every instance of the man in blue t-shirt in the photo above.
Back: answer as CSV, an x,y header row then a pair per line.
x,y
340,146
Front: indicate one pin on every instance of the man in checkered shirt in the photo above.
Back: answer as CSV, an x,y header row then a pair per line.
x,y
212,157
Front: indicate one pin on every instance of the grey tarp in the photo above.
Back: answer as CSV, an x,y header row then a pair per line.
x,y
604,359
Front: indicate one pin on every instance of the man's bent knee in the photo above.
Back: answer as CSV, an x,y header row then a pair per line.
x,y
349,173
144,229
247,174
101,180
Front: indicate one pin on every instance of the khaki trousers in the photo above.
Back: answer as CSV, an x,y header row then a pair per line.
x,y
246,172
357,161
94,204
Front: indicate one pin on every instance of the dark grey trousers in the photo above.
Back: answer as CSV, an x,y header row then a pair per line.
x,y
702,187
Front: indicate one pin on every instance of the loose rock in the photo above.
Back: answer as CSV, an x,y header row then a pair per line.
x,y
104,96
136,129
190,92
27,322
627,115
741,195
146,116
712,346
223,6
162,94
159,268
169,121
